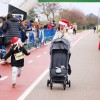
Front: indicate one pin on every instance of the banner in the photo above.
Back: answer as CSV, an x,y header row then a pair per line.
x,y
69,0
24,5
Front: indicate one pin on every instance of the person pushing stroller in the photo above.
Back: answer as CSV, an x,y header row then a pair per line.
x,y
62,32
60,55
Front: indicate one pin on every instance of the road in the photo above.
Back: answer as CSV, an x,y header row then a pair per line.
x,y
32,85
85,78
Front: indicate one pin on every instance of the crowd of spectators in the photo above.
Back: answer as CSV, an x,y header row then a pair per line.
x,y
12,26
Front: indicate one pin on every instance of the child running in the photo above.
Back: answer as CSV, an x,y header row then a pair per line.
x,y
16,52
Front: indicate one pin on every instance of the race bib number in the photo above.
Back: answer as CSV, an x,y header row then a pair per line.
x,y
19,56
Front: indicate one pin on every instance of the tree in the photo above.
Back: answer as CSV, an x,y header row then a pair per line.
x,y
31,14
54,7
47,9
43,8
92,20
74,16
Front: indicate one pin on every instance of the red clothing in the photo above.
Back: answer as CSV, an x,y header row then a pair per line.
x,y
49,26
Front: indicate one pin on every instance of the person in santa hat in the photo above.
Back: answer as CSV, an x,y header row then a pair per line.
x,y
62,32
16,52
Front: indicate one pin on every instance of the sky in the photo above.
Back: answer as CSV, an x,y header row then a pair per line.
x,y
86,8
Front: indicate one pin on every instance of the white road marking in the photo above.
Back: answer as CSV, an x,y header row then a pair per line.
x,y
25,94
45,52
38,56
3,78
30,61
22,97
78,40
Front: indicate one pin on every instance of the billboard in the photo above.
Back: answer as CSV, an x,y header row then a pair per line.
x,y
17,12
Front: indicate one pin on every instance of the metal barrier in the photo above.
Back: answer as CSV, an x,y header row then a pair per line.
x,y
48,34
45,35
2,47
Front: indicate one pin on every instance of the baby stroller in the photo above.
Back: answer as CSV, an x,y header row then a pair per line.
x,y
59,52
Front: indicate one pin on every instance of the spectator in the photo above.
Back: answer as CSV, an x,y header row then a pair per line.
x,y
24,30
30,25
45,26
83,27
49,25
37,27
75,28
94,28
12,28
54,24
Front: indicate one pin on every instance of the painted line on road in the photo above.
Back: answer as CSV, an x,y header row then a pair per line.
x,y
45,52
22,97
26,93
38,56
79,39
30,61
3,78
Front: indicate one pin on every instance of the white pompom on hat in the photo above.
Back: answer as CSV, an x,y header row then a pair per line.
x,y
65,23
15,40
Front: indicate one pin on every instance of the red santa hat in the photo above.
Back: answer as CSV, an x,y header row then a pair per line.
x,y
15,40
65,23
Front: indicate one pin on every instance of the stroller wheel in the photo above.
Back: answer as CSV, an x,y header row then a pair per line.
x,y
64,86
51,86
48,82
69,83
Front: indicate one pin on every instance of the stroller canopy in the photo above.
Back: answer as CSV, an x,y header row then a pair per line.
x,y
60,43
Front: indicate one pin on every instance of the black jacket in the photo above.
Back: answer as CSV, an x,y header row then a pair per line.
x,y
14,62
12,29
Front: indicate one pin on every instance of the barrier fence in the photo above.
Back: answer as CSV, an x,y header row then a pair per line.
x,y
45,35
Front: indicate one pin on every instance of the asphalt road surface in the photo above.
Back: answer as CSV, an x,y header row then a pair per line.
x,y
85,77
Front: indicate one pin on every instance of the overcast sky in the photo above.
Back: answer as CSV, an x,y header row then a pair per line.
x,y
85,7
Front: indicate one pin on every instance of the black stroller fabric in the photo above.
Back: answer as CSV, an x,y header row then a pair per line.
x,y
59,50
60,43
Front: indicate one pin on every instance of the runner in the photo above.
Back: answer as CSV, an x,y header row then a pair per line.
x,y
16,52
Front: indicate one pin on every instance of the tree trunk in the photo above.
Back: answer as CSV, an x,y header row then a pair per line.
x,y
47,17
